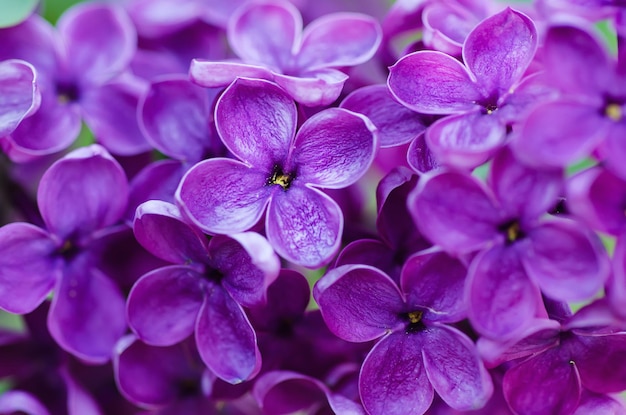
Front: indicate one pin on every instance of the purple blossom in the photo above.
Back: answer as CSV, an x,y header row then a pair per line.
x,y
518,250
80,197
79,75
19,94
481,95
278,170
203,292
269,39
418,351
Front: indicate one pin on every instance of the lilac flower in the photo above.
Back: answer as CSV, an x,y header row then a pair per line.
x,y
79,67
80,197
268,38
518,250
203,292
482,95
588,116
562,360
19,95
278,170
418,352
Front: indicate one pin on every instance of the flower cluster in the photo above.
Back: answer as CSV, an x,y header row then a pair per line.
x,y
268,207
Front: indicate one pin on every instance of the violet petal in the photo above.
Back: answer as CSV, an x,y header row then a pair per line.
x,y
19,97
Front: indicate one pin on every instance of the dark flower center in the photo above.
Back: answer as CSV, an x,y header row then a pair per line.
x,y
67,93
415,323
613,112
512,231
280,178
68,250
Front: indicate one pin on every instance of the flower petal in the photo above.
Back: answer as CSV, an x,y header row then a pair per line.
x,y
545,384
596,358
339,39
157,181
396,124
435,281
100,40
568,262
393,379
334,148
174,117
455,369
313,89
304,225
223,195
432,83
466,140
82,192
266,33
211,74
499,50
17,401
28,267
87,316
283,392
502,299
163,305
419,157
455,211
160,228
262,137
19,94
613,151
226,340
248,265
358,302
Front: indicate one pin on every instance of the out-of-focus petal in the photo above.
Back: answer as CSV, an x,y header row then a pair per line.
x,y
304,225
157,181
248,265
455,211
283,392
313,89
87,315
339,39
454,368
19,94
396,124
17,401
334,148
226,340
502,299
100,40
28,267
160,229
393,378
499,50
614,150
219,74
257,121
359,303
223,195
433,83
163,305
266,33
568,262
82,192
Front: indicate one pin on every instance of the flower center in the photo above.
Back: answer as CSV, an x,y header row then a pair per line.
x,y
613,112
280,178
67,93
415,323
511,231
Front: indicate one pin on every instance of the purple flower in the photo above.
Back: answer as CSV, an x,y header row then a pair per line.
x,y
79,75
418,351
518,250
268,38
278,170
80,197
203,292
19,96
481,95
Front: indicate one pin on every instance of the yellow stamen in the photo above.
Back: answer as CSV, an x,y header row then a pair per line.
x,y
614,112
512,232
415,317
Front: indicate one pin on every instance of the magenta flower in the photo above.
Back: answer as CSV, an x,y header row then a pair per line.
x,y
482,95
80,197
278,171
268,38
418,351
203,292
519,250
79,75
